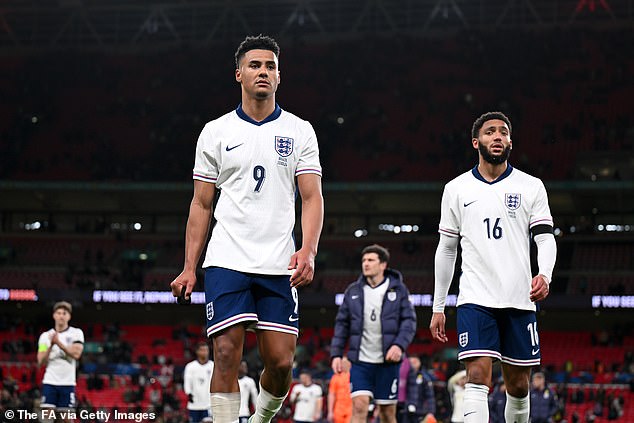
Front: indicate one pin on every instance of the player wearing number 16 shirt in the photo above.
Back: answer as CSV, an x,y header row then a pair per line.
x,y
492,211
256,157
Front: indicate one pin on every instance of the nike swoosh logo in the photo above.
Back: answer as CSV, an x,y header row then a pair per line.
x,y
293,319
464,204
227,148
535,351
354,297
392,396
470,412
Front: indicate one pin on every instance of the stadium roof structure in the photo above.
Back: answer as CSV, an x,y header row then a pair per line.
x,y
32,26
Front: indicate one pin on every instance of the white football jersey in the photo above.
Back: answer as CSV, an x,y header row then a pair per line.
x,y
254,165
493,222
305,399
248,395
60,370
197,381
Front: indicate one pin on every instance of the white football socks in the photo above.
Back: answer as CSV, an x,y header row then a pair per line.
x,y
476,404
267,406
225,406
517,409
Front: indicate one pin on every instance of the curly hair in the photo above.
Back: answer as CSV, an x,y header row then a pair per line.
x,y
477,125
259,42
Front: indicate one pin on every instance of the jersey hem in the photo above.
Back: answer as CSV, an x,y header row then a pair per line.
x,y
204,178
268,272
497,306
448,233
305,171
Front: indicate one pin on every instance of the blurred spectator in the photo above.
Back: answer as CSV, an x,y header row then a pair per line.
x,y
403,374
497,402
543,401
455,386
421,400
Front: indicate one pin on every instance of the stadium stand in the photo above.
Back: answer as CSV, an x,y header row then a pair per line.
x,y
415,125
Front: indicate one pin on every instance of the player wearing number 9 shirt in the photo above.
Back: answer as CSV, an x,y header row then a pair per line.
x,y
493,210
257,157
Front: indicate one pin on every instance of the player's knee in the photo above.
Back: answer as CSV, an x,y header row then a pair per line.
x,y
226,358
387,412
279,366
360,406
479,376
517,387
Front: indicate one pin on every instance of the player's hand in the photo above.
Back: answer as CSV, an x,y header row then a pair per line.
x,y
54,339
186,280
437,327
539,288
394,354
303,261
336,365
329,417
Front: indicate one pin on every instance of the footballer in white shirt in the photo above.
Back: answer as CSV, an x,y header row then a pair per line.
x,y
492,211
256,158
59,349
196,381
307,398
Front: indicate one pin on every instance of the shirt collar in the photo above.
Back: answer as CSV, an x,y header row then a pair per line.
x,y
276,113
477,175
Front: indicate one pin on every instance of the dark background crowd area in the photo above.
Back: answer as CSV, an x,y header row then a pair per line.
x,y
134,369
390,109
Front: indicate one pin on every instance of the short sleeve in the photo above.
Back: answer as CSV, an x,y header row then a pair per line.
x,y
309,155
79,338
449,220
44,342
205,162
540,212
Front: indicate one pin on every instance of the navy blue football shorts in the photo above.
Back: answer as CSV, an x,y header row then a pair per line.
x,y
377,380
265,302
54,396
505,334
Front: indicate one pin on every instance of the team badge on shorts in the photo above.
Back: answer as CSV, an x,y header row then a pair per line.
x,y
463,339
284,146
210,310
512,200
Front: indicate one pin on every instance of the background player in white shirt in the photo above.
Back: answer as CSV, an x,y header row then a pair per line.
x,y
256,157
59,349
308,399
196,381
492,211
248,391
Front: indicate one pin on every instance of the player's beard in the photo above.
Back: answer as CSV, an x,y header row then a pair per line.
x,y
494,159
